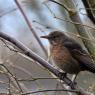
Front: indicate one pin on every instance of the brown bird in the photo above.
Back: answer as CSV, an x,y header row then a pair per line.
x,y
68,54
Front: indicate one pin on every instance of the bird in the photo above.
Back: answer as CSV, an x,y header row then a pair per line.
x,y
68,54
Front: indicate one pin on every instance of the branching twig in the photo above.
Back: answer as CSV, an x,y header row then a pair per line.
x,y
66,20
77,35
11,49
71,11
21,53
14,77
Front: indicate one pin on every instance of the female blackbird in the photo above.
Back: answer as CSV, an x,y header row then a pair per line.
x,y
69,54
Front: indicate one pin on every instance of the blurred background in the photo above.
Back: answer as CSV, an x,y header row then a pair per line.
x,y
41,21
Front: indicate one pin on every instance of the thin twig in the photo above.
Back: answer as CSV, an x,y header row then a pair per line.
x,y
21,53
14,77
66,20
30,26
40,91
77,35
34,79
63,5
9,86
56,89
76,23
35,21
11,49
9,11
10,78
93,9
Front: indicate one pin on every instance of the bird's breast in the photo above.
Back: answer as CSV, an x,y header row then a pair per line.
x,y
60,53
64,59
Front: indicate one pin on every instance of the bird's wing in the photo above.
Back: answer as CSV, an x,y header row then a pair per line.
x,y
80,55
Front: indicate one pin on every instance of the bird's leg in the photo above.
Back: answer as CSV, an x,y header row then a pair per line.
x,y
49,54
64,75
73,83
74,78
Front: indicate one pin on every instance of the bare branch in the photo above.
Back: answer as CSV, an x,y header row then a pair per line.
x,y
11,49
34,92
77,35
34,79
37,58
30,26
14,77
71,11
7,12
66,20
34,56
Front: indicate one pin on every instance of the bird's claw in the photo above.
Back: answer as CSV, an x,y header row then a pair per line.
x,y
73,84
62,75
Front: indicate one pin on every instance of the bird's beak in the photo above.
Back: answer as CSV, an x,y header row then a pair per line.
x,y
46,37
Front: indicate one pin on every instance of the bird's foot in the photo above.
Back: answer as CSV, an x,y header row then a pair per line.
x,y
73,84
62,75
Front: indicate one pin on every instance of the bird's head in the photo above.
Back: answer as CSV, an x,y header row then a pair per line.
x,y
55,37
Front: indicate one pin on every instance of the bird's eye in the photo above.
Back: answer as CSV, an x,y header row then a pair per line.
x,y
54,36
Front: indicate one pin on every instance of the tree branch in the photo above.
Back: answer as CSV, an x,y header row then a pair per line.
x,y
34,92
34,56
41,61
30,26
